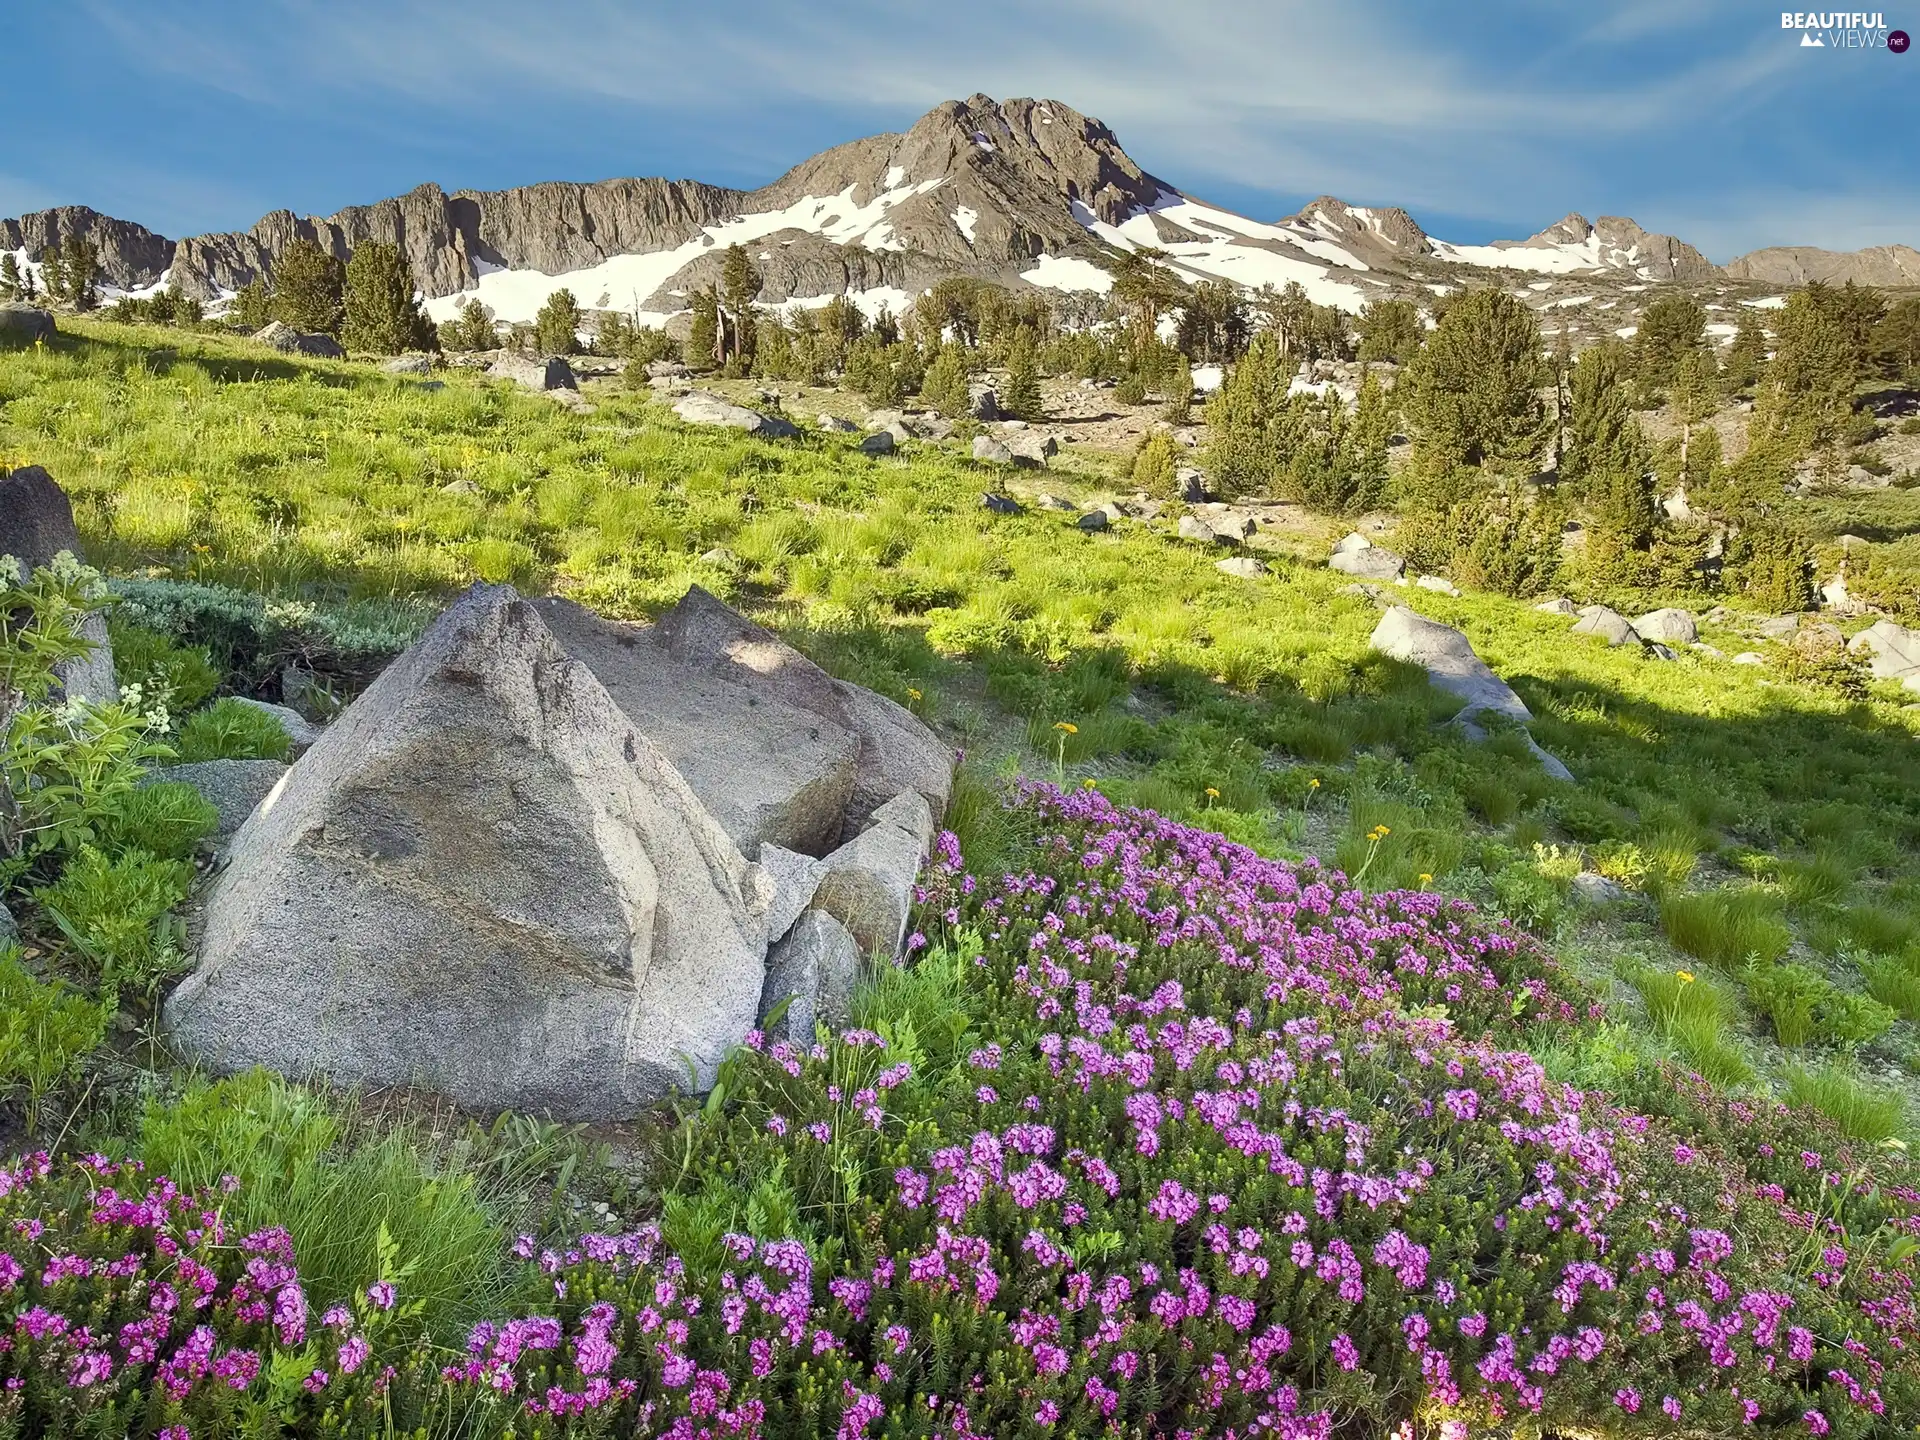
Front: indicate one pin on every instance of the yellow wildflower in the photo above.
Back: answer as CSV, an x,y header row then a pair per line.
x,y
1066,727
1212,794
1685,976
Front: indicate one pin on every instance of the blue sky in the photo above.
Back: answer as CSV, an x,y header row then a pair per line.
x,y
1697,117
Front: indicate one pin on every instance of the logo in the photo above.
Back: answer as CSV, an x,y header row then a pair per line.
x,y
1843,30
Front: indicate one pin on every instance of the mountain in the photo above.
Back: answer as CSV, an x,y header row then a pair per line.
x,y
1888,265
1019,191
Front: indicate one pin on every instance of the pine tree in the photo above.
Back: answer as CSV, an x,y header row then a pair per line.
x,y
252,307
1213,323
1808,395
739,285
1148,289
1771,562
1179,391
53,275
1474,387
308,286
871,370
1390,330
1857,310
1670,328
1153,465
703,336
475,331
1368,438
1241,455
1598,411
1694,395
1747,355
382,315
556,329
82,266
1020,397
945,387
10,287
1896,342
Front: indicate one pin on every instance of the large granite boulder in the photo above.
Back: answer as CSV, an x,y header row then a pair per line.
x,y
289,341
768,771
487,881
1892,651
868,884
1366,560
699,407
1450,662
1609,625
1670,626
543,372
25,324
36,525
813,970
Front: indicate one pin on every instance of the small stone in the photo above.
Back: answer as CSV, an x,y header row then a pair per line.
x,y
834,425
986,448
1000,504
881,442
1749,657
1439,584
1244,567
1094,520
1592,888
1559,605
1192,527
1610,625
408,365
9,930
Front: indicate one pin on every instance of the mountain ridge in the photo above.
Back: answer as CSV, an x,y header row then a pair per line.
x,y
1021,191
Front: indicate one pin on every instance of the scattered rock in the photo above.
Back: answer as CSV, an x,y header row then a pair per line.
x,y
1377,594
1668,627
1780,627
572,400
1000,504
1592,888
25,324
1712,652
1192,527
460,487
986,448
834,425
1749,657
869,882
668,385
485,882
986,405
881,442
36,526
1818,640
9,930
289,341
898,753
1439,584
795,878
408,365
235,788
702,407
302,732
1054,502
1234,525
1450,662
1095,520
1656,651
1559,605
550,372
1244,567
1834,596
1609,625
1367,561
1032,448
1892,651
1192,484
1351,542
814,970
667,370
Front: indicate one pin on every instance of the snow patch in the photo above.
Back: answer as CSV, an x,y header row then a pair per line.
x,y
1207,378
1067,272
1627,332
895,175
1723,330
964,219
1770,302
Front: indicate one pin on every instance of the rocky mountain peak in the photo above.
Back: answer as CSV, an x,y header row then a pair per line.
x,y
1369,227
1573,230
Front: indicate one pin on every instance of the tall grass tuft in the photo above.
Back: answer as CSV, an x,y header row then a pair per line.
x,y
1726,927
1864,1111
1693,1014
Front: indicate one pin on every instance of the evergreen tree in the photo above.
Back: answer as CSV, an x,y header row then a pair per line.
x,y
252,307
945,387
1474,387
1857,310
1179,391
1368,438
382,317
1390,330
1747,355
10,287
1807,398
308,288
1694,395
1213,323
1515,545
82,266
1241,454
474,330
1143,283
53,275
556,328
1896,342
871,370
703,336
739,285
1670,328
1598,411
1020,397
1154,466
1772,564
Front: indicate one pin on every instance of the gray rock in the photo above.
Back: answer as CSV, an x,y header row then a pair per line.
x,y
1656,651
1233,525
1592,888
1032,448
482,881
1559,605
1818,640
669,385
814,970
795,879
986,405
834,425
1245,567
1000,504
1192,484
548,372
1192,527
1669,627
1609,625
1351,543
1780,627
666,370
990,450
462,486
25,324
36,527
9,930
766,771
1439,584
1055,502
1375,562
881,442
1892,651
898,753
869,882
1095,520
408,365
1700,647
701,407
300,730
1749,657
572,400
289,341
235,788
1450,662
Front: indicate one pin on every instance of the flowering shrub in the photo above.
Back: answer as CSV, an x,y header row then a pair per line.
x,y
1232,1149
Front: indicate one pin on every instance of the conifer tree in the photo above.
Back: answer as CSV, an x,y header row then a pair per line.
x,y
1747,355
10,287
81,263
1021,395
382,317
556,328
308,288
1598,411
1368,438
1670,328
945,387
739,284
1241,454
1771,563
1807,397
1213,323
1179,390
1153,465
1143,283
1473,392
1857,310
475,330
53,275
1896,342
1390,330
1694,395
703,336
252,307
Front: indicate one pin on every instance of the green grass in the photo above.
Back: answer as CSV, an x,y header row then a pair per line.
x,y
1726,927
1694,1014
1864,1111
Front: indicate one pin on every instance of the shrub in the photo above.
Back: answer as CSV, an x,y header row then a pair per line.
x,y
1805,1007
183,677
46,1030
231,729
1153,466
1725,927
116,910
163,817
1132,390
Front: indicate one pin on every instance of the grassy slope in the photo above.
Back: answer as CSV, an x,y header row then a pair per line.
x,y
215,460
